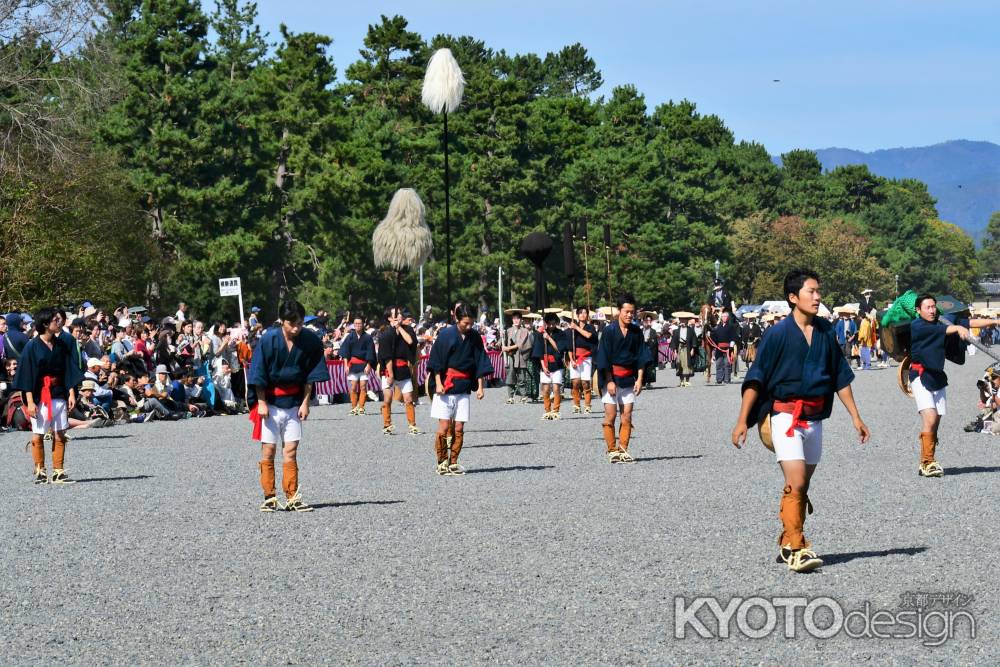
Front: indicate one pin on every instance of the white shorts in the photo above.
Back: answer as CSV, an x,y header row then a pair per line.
x,y
806,444
282,425
451,406
582,371
405,386
555,377
357,377
624,396
43,421
927,399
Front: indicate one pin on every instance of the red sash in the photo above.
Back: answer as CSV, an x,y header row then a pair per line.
x,y
355,361
622,371
550,358
48,381
452,375
582,353
797,407
270,394
917,367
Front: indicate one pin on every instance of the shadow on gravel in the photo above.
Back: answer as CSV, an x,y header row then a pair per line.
x,y
100,437
837,559
667,458
501,444
508,469
113,479
355,503
969,469
498,430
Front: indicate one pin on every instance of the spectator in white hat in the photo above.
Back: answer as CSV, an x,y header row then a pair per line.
x,y
103,396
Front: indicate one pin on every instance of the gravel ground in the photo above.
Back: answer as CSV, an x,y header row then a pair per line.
x,y
543,553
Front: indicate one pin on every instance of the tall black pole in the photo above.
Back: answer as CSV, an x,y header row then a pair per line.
x,y
607,257
447,215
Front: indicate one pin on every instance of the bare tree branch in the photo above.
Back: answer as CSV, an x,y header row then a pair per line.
x,y
53,74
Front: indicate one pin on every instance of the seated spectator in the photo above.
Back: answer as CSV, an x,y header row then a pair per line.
x,y
127,396
178,394
87,410
150,401
163,389
223,381
102,395
194,390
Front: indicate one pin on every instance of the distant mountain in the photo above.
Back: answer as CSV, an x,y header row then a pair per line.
x,y
964,176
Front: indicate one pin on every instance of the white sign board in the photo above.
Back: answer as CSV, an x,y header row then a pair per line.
x,y
230,287
233,287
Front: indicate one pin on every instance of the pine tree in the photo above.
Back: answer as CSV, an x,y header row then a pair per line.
x,y
303,132
155,126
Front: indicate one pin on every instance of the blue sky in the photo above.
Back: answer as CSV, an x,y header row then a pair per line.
x,y
862,75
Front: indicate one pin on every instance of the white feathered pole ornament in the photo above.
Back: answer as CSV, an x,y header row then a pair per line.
x,y
442,93
402,241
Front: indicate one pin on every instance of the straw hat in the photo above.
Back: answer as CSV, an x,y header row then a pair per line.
x,y
769,317
554,309
514,311
682,314
751,315
565,314
608,311
530,316
648,313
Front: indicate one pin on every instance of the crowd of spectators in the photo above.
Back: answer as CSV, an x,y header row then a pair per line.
x,y
138,368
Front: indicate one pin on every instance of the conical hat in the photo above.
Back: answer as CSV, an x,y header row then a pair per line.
x,y
514,311
682,314
530,316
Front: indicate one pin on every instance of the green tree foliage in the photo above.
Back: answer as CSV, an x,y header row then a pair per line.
x,y
837,249
989,255
156,127
70,233
227,155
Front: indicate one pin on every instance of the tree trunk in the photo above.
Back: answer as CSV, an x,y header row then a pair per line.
x,y
159,235
278,289
485,274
